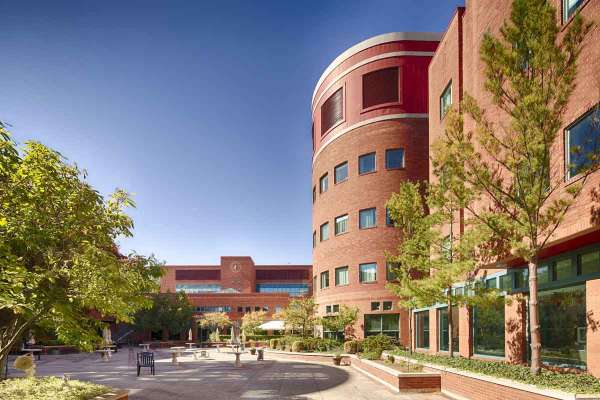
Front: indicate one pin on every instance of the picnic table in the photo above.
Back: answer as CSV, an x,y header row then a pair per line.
x,y
190,345
34,351
176,352
145,346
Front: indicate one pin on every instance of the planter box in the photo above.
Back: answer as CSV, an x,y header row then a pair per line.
x,y
309,357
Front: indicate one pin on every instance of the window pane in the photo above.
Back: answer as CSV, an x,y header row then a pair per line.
x,y
506,282
543,272
378,324
314,194
324,279
521,278
341,172
590,262
332,111
341,224
388,218
563,326
394,158
564,269
367,218
569,7
335,308
583,143
323,184
375,306
366,163
197,288
325,231
444,323
380,87
341,276
491,283
327,309
368,272
387,305
422,329
488,329
390,322
389,271
293,289
373,323
446,100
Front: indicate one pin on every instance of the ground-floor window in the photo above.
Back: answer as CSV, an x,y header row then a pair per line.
x,y
382,324
422,329
443,329
488,329
563,325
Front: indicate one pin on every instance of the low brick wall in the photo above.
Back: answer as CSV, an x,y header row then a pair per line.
x,y
308,357
113,395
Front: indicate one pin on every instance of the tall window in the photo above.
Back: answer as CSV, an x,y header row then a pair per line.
x,y
341,276
582,143
341,224
367,272
324,279
443,328
341,172
394,158
390,271
366,163
446,100
569,8
367,218
380,87
314,197
488,329
314,239
324,231
332,111
422,329
323,183
589,262
388,217
382,324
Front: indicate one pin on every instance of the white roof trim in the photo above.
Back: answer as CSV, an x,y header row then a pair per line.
x,y
375,40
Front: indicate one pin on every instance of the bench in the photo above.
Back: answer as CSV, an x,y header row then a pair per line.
x,y
145,360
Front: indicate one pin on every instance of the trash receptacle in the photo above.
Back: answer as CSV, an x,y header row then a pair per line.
x,y
260,354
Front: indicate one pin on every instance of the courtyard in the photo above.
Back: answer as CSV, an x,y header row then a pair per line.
x,y
217,378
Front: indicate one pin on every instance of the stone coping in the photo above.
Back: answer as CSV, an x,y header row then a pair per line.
x,y
526,387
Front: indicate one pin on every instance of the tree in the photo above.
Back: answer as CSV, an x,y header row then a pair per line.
x,y
215,320
300,315
171,311
251,321
341,322
58,259
515,188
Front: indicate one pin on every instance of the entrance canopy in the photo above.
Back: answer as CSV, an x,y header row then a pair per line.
x,y
272,326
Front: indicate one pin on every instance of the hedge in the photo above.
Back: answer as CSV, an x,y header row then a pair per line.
x,y
569,382
49,388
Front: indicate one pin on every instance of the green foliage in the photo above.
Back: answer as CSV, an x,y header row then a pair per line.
x,y
58,259
251,321
574,383
298,346
49,388
300,316
342,322
352,346
309,344
171,311
373,346
273,343
215,320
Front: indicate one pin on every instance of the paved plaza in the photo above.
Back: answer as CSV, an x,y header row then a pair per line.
x,y
217,378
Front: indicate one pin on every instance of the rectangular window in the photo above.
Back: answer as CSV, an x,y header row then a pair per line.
x,y
390,273
314,239
422,329
563,269
332,111
582,143
341,276
341,172
213,309
382,324
388,217
394,158
293,289
506,282
248,309
335,308
341,224
543,274
521,278
323,183
278,309
314,194
446,100
367,272
324,230
324,280
387,305
380,87
240,309
488,329
327,309
366,163
491,283
367,218
444,328
570,7
375,305
197,288
590,262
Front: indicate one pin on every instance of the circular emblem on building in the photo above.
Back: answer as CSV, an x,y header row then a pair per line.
x,y
235,267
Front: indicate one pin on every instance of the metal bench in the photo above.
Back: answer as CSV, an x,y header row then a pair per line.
x,y
145,360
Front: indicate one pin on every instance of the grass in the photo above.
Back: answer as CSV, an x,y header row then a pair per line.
x,y
49,388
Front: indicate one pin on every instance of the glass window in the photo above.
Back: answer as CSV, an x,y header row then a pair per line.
x,y
314,194
323,184
459,291
563,326
491,283
324,231
332,111
341,276
563,269
293,289
388,217
543,274
380,87
366,163
367,218
446,100
488,329
394,158
240,309
335,308
265,308
382,324
341,172
375,305
327,309
582,143
506,282
368,272
521,278
248,309
213,309
324,279
590,262
387,305
278,309
341,224
444,328
569,8
422,329
390,273
197,288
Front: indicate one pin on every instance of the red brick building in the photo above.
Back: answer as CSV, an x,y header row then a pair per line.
x,y
370,132
237,286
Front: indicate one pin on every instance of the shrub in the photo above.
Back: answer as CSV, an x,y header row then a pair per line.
x,y
252,343
575,383
50,387
298,346
273,343
377,344
351,347
371,355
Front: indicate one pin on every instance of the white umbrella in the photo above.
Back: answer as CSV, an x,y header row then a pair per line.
x,y
106,335
190,336
273,326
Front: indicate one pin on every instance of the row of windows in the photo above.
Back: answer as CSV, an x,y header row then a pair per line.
x,y
367,218
240,309
378,87
213,309
198,288
394,159
293,289
367,273
375,306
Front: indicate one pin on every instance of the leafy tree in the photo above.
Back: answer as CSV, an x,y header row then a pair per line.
x,y
58,261
514,187
171,311
300,315
251,321
341,322
215,320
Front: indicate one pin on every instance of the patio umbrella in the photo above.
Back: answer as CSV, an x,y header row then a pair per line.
x,y
272,326
190,336
106,335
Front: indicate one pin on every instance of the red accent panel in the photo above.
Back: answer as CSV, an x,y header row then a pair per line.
x,y
197,274
282,275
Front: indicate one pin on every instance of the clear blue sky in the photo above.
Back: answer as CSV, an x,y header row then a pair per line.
x,y
200,109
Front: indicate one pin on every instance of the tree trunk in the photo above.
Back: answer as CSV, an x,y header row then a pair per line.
x,y
536,341
3,363
410,331
450,327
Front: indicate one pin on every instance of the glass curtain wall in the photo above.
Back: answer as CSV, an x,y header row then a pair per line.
x,y
488,329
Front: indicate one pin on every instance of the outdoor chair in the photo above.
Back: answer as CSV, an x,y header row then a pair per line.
x,y
145,360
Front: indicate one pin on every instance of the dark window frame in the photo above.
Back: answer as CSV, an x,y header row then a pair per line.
x,y
375,104
444,111
374,154
335,175
389,151
326,128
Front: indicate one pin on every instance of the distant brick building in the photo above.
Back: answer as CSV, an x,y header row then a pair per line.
x,y
237,286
